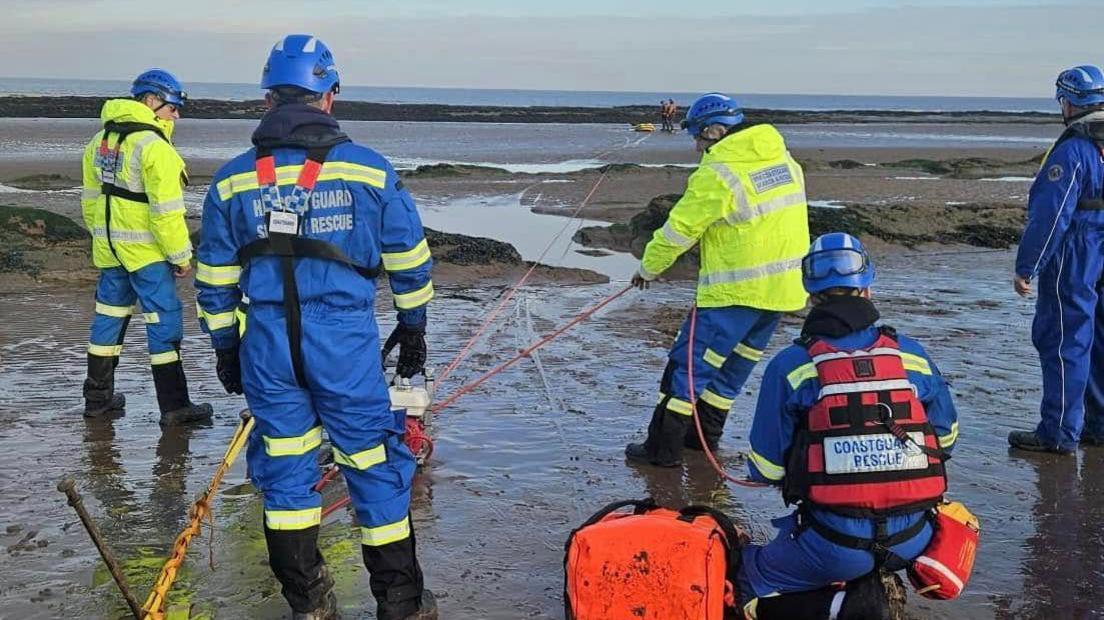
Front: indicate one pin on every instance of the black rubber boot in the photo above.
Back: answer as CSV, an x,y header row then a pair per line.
x,y
172,397
1092,440
99,388
712,423
395,579
666,434
1028,440
863,599
298,566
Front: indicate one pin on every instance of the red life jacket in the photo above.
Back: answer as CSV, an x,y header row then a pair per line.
x,y
866,447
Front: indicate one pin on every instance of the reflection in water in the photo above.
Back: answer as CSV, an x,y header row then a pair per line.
x,y
168,502
105,477
1064,565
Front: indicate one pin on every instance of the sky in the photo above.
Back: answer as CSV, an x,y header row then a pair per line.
x,y
1000,48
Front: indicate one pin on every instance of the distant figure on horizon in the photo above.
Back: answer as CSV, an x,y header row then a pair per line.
x,y
672,112
1063,246
665,116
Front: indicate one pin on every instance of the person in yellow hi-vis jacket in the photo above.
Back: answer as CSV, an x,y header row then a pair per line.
x,y
133,204
745,208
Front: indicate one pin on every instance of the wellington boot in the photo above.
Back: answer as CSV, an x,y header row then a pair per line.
x,y
1028,440
192,414
99,388
712,422
327,611
427,609
639,453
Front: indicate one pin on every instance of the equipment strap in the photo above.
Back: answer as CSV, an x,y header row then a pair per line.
x,y
879,546
109,167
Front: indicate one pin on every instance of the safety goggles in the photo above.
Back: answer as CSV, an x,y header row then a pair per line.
x,y
842,262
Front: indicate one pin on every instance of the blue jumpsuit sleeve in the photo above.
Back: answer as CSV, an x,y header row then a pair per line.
x,y
772,428
933,392
1050,207
217,272
405,254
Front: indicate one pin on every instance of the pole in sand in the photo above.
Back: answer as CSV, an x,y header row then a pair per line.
x,y
68,486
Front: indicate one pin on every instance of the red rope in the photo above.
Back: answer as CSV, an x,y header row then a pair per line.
x,y
463,353
694,410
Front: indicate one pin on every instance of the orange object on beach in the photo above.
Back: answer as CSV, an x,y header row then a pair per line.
x,y
651,564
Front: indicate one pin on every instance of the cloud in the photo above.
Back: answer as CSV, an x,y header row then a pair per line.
x,y
988,51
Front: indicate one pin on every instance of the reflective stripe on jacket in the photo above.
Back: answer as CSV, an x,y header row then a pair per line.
x,y
745,207
141,233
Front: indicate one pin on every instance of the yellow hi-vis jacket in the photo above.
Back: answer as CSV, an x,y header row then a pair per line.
x,y
745,205
147,185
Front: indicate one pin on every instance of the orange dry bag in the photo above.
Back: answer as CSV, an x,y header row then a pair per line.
x,y
943,569
652,564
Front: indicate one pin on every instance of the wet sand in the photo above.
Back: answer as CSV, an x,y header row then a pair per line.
x,y
522,460
532,453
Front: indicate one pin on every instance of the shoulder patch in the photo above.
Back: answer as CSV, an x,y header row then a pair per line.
x,y
770,178
1055,173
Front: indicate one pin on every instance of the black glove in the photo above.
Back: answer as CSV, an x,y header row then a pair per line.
x,y
412,349
229,370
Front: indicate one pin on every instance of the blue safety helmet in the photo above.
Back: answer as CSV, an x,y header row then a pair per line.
x,y
836,260
1082,86
301,60
712,109
162,84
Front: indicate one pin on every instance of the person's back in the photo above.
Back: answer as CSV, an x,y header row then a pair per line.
x,y
132,201
295,231
853,422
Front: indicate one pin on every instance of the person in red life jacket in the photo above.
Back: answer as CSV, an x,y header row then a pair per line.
x,y
854,422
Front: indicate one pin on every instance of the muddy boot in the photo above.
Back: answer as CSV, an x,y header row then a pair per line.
x,y
395,579
297,564
427,609
666,434
712,423
172,397
1028,440
99,388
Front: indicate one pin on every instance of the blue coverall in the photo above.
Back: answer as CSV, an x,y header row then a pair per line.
x,y
1063,250
359,205
799,559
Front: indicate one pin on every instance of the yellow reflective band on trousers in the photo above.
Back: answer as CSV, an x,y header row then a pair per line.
x,y
241,316
361,460
769,470
748,353
168,357
104,350
293,446
115,311
293,519
718,401
217,320
385,534
151,317
218,275
713,358
288,175
746,209
410,259
413,299
679,406
949,439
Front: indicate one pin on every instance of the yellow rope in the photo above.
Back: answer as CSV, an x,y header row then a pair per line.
x,y
155,604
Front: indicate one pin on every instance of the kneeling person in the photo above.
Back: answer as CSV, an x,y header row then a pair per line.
x,y
866,421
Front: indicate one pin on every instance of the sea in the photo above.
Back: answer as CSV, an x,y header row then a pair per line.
x,y
558,98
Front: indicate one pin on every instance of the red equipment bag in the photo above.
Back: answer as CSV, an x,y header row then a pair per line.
x,y
943,569
652,564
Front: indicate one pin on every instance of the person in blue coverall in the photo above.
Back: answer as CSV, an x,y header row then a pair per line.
x,y
294,232
838,274
1063,250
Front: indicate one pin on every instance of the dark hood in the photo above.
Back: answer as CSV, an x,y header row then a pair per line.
x,y
838,316
297,125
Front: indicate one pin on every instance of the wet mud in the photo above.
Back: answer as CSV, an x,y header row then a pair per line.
x,y
519,462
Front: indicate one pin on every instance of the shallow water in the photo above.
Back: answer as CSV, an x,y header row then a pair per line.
x,y
548,147
519,462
